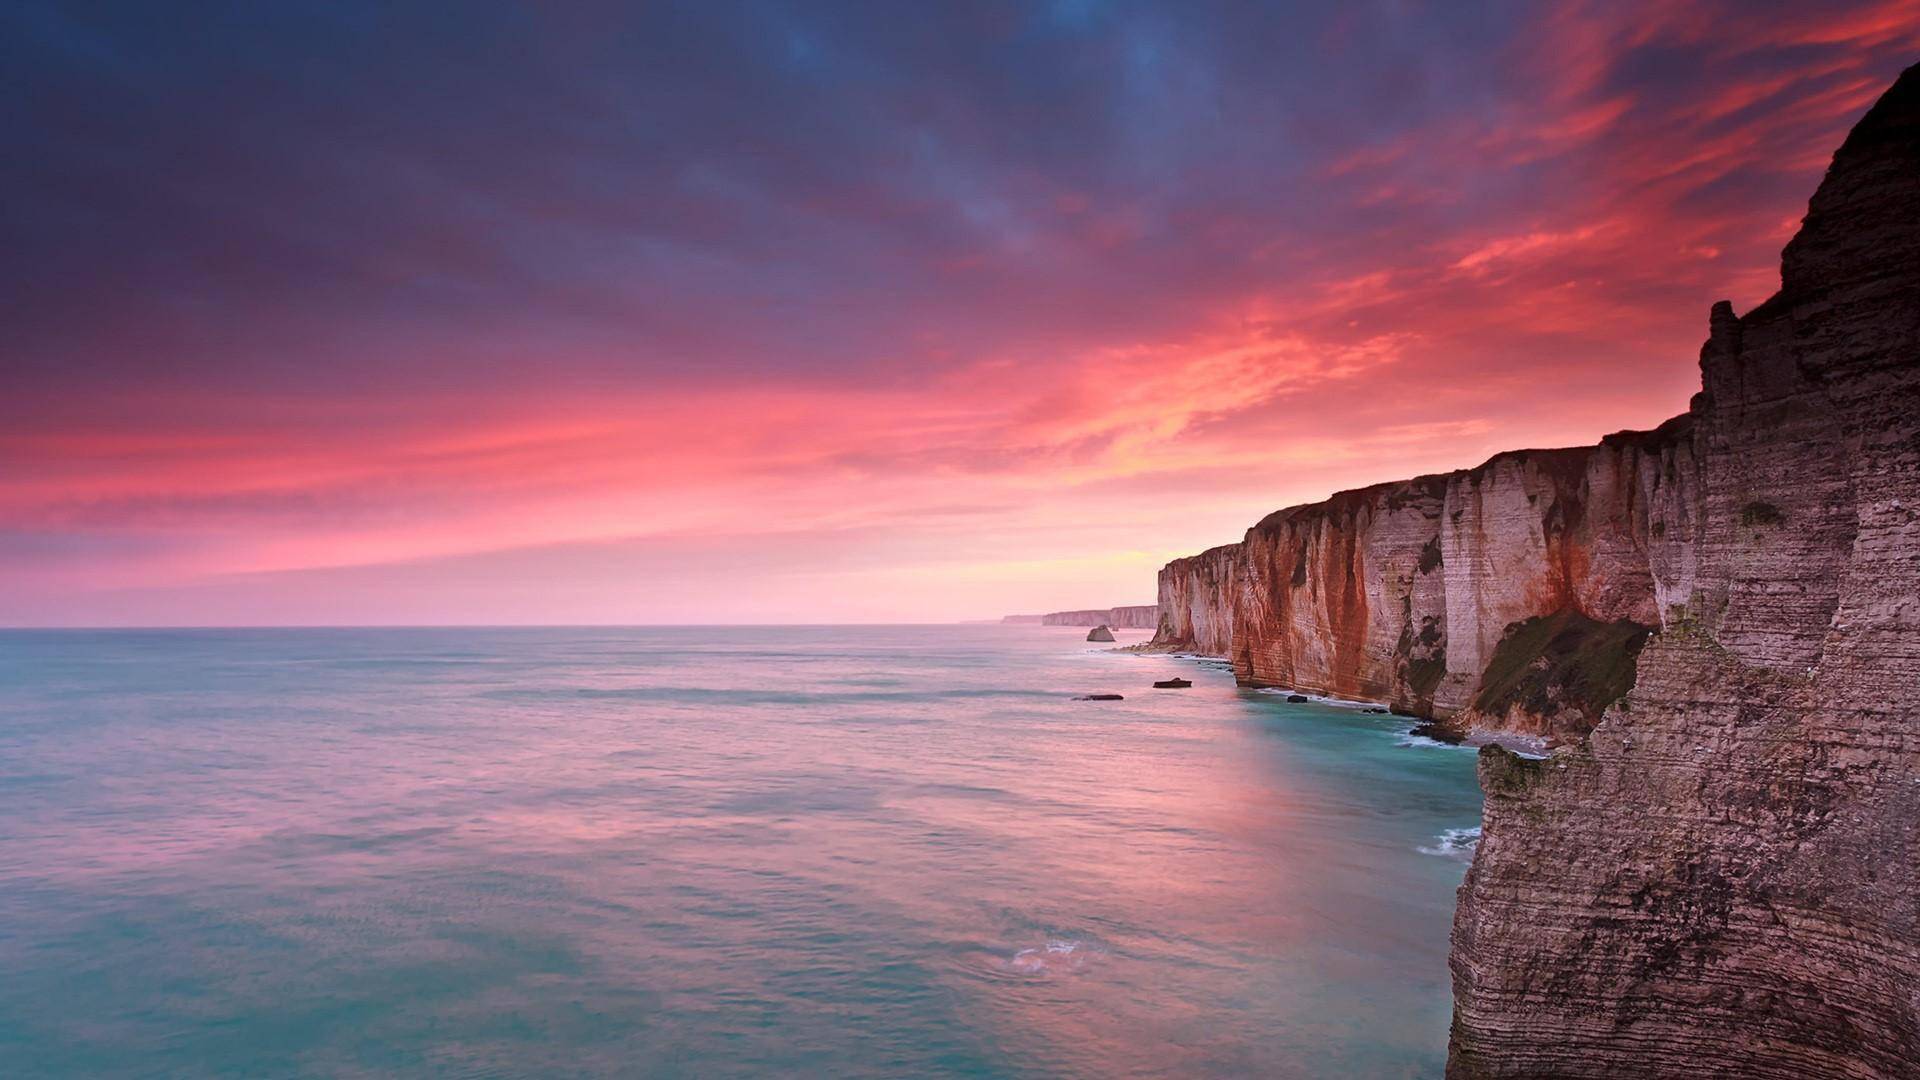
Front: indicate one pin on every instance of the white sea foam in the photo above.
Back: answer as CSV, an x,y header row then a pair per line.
x,y
1454,843
1053,956
1317,699
1410,739
1526,750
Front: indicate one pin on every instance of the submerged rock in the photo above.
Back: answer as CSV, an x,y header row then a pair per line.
x,y
1172,684
1297,699
1438,733
1100,633
1100,697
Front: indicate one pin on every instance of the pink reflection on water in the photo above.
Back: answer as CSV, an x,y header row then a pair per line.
x,y
801,845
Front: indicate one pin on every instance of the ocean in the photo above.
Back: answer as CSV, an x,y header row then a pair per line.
x,y
898,851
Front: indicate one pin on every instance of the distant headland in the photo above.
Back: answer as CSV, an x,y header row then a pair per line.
x,y
1128,617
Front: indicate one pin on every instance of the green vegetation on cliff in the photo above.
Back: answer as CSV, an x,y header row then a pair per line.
x,y
1566,660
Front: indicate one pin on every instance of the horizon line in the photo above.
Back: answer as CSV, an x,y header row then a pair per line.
x,y
8,628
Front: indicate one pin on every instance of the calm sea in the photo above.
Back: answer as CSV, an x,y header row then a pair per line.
x,y
701,852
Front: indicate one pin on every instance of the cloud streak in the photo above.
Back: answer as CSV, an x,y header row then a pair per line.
x,y
347,314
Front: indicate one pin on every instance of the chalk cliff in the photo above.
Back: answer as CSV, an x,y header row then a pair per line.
x,y
1717,870
1199,596
1409,592
1130,617
1723,877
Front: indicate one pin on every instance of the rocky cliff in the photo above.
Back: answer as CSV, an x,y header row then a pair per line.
x,y
1130,617
1717,870
1199,596
1723,877
1409,592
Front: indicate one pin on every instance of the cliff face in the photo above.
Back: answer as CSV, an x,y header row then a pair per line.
x,y
1198,596
1129,617
1405,592
1717,871
1723,878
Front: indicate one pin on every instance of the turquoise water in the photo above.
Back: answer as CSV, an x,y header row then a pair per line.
x,y
856,852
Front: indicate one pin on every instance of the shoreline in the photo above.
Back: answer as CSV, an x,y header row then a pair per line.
x,y
1528,746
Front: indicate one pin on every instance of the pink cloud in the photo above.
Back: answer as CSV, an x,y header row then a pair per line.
x,y
1532,273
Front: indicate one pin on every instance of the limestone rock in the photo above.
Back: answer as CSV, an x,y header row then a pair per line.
x,y
1723,877
1128,617
1717,624
1404,592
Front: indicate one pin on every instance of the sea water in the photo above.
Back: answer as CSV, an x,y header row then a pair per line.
x,y
701,852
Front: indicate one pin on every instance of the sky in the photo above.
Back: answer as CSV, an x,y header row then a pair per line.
x,y
343,313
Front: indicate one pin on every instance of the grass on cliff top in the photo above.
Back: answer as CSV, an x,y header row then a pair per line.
x,y
1562,660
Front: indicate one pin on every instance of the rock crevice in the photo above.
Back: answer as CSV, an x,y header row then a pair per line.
x,y
1717,622
1403,592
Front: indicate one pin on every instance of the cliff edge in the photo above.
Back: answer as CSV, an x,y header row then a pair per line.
x,y
1125,617
1723,877
1717,625
1510,596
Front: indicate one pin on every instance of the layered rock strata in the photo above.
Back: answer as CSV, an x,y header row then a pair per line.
x,y
1717,870
1405,592
1723,877
1130,617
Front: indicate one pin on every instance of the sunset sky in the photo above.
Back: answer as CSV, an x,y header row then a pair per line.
x,y
833,312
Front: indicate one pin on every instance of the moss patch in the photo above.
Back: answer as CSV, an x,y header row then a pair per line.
x,y
1430,556
1423,676
1422,673
1503,772
1565,662
1430,488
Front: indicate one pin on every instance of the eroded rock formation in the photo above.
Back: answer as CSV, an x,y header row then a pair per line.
x,y
1198,598
1130,617
1407,592
1723,877
1717,871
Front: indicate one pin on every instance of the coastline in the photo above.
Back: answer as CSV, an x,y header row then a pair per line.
x,y
1710,625
1437,732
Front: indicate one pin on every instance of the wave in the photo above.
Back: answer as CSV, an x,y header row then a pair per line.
x,y
1453,843
744,696
1054,956
1319,699
1410,739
